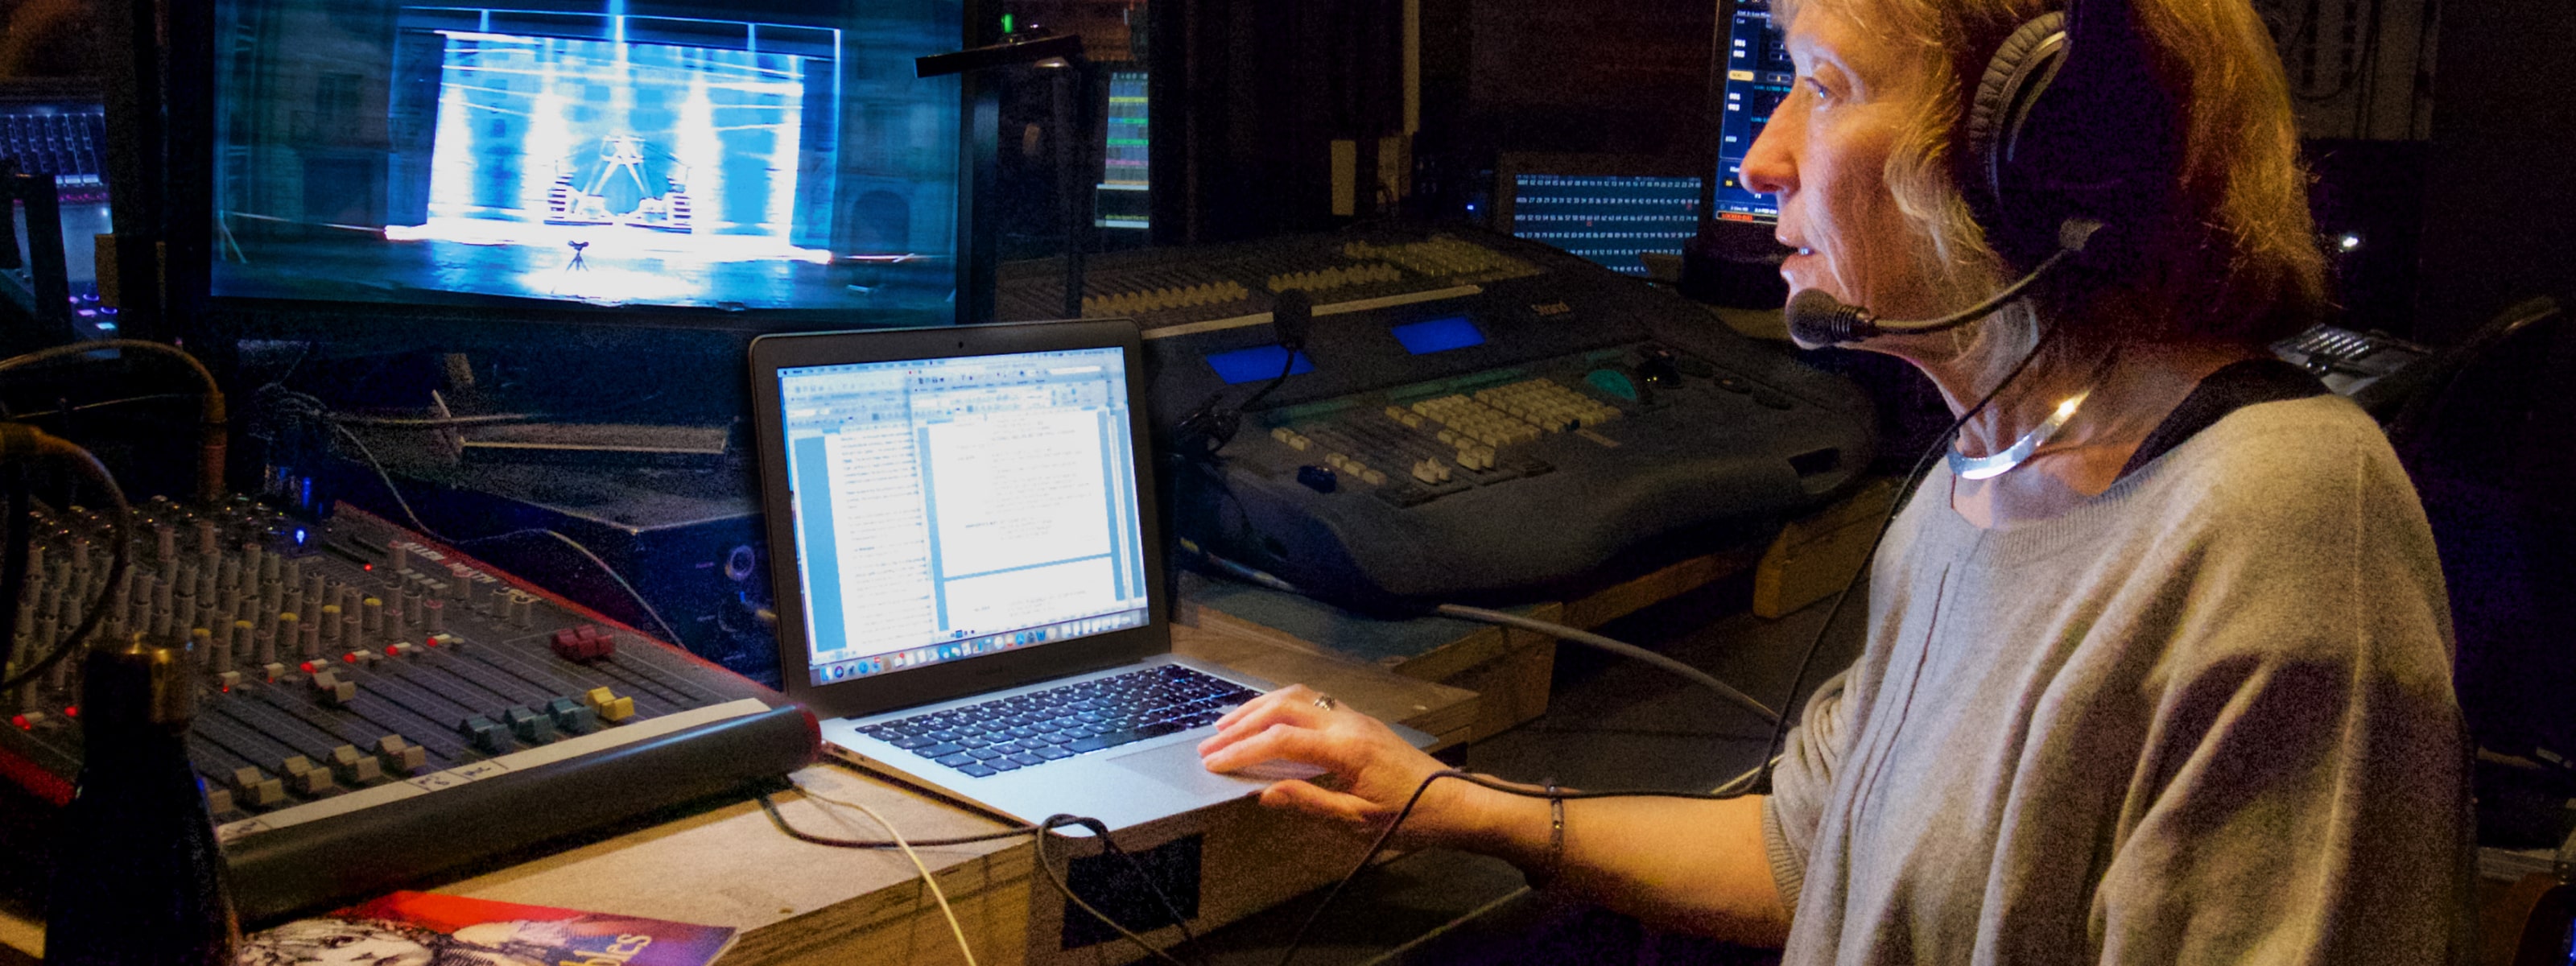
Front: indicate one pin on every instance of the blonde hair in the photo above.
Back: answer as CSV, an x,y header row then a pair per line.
x,y
2242,262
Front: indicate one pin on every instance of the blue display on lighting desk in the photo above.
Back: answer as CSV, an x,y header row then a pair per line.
x,y
1254,365
1439,335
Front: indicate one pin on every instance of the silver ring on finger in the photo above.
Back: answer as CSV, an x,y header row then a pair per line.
x,y
1326,702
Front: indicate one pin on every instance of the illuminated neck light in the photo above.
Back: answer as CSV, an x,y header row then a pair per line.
x,y
1997,464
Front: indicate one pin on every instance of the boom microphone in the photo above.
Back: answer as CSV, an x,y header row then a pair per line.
x,y
1818,319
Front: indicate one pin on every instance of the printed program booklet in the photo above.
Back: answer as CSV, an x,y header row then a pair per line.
x,y
424,929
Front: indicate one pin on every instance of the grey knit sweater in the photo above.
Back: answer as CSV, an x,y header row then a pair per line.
x,y
2205,717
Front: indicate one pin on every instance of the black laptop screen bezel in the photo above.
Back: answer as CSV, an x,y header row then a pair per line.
x,y
974,675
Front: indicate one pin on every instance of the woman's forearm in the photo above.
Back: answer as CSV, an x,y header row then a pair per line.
x,y
1680,864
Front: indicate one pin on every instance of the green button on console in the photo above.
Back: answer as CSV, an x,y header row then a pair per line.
x,y
1614,382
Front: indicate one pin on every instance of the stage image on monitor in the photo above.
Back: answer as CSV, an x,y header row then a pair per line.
x,y
758,155
1757,74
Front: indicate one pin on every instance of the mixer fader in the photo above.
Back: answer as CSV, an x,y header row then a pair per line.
x,y
376,707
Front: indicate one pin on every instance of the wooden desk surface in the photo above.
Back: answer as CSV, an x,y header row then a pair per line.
x,y
799,903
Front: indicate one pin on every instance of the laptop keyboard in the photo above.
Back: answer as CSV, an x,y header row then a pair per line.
x,y
1028,730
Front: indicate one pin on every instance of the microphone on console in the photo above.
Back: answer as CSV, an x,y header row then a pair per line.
x,y
1816,318
1292,315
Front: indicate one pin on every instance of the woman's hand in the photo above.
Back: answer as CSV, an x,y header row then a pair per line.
x,y
1372,771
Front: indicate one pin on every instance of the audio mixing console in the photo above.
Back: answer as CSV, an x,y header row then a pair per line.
x,y
1473,416
376,708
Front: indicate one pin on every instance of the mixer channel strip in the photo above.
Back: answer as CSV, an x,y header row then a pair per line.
x,y
353,676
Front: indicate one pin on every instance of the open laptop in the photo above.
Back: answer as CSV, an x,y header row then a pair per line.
x,y
968,571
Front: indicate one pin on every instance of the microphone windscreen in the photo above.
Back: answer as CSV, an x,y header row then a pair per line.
x,y
1292,313
1817,319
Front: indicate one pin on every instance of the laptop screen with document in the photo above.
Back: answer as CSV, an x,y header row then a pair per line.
x,y
951,508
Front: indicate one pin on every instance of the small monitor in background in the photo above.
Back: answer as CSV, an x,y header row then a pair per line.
x,y
1606,209
59,128
1126,183
1735,261
1753,75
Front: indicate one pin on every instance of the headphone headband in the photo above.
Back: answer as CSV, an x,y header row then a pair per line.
x,y
2070,121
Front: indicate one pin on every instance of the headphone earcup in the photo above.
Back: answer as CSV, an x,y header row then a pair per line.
x,y
2014,80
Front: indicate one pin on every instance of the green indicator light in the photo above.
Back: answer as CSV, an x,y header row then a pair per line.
x,y
1009,23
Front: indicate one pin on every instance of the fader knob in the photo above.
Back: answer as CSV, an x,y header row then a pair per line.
x,y
303,777
485,734
332,691
355,767
433,616
253,788
572,716
400,757
531,725
610,707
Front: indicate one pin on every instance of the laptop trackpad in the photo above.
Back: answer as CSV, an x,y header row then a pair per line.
x,y
1178,765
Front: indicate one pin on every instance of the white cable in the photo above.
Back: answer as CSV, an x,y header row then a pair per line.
x,y
926,878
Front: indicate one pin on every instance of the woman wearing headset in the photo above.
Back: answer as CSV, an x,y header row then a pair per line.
x,y
2158,663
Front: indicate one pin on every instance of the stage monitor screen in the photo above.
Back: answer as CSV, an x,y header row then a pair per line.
x,y
1755,76
1126,181
755,155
